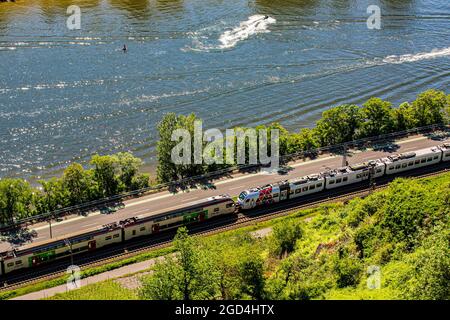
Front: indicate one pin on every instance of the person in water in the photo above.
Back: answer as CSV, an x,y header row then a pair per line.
x,y
124,48
266,17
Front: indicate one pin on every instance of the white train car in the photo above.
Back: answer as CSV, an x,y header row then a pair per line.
x,y
306,186
412,160
184,214
353,174
264,195
445,148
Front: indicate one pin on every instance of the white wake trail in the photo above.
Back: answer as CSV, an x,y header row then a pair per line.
x,y
255,24
436,53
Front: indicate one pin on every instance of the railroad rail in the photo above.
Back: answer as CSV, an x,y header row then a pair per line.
x,y
88,206
128,250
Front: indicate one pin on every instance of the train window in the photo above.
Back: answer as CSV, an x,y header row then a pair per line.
x,y
229,205
404,165
378,170
318,185
410,163
116,235
358,176
447,155
298,190
312,187
142,229
331,181
248,200
345,179
435,157
19,262
216,209
338,180
291,192
391,168
108,238
397,166
275,195
417,161
429,159
305,188
423,160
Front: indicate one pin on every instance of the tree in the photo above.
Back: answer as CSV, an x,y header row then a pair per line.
x,y
303,141
53,195
403,117
78,184
429,107
251,273
128,168
161,285
338,124
105,169
377,117
15,199
284,237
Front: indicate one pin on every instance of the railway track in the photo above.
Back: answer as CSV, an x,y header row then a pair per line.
x,y
139,246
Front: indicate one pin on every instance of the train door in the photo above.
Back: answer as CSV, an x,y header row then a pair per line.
x,y
201,216
2,267
155,228
283,195
92,245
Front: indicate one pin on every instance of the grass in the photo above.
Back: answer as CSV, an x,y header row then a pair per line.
x,y
323,228
42,285
106,290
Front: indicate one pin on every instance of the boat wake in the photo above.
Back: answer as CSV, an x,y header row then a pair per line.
x,y
230,38
436,53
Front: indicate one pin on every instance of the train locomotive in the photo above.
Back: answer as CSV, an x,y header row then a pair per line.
x,y
35,254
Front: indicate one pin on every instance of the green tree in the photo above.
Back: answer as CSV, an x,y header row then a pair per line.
x,y
251,274
78,183
15,199
128,169
338,124
429,107
53,195
377,117
105,169
305,140
284,237
162,285
403,117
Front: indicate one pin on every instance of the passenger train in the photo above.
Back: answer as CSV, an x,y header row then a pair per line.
x,y
35,254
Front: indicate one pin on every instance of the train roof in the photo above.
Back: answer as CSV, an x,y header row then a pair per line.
x,y
411,155
49,243
445,146
179,208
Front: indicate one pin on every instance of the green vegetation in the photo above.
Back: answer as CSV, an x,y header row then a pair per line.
x,y
108,176
402,230
337,125
9,294
113,174
108,290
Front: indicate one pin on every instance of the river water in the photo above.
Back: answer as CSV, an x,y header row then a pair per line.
x,y
67,94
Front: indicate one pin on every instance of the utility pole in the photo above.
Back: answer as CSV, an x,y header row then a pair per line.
x,y
50,224
344,158
69,244
371,179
